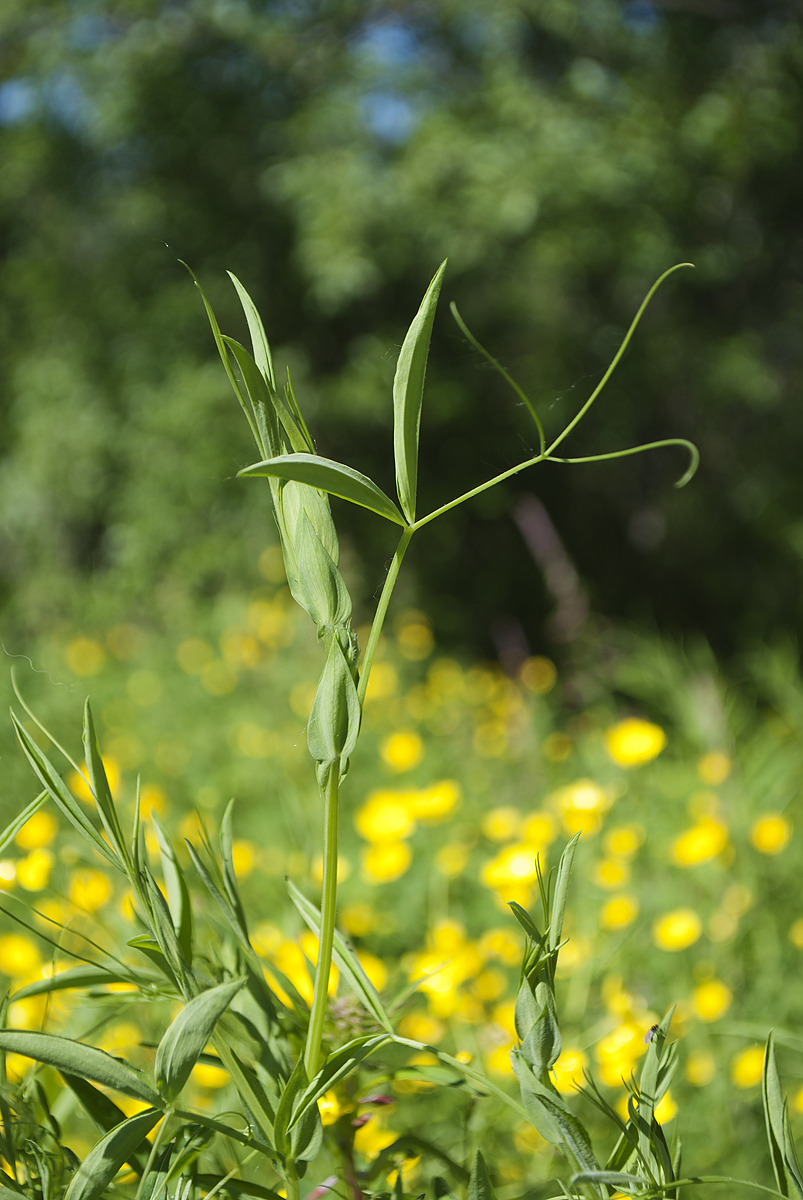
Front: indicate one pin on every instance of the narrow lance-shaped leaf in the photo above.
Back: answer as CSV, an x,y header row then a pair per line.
x,y
773,1115
77,977
11,831
479,1186
100,786
259,341
78,1059
329,476
561,892
108,1155
58,791
408,395
186,1037
178,896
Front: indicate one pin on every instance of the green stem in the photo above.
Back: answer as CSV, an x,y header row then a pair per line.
x,y
291,1182
313,1052
482,487
157,1142
382,607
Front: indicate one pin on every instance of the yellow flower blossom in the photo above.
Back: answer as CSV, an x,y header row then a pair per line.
x,y
677,930
498,1061
89,889
120,1038
385,817
209,1076
582,806
568,1070
152,798
504,944
33,872
747,1067
501,824
37,832
289,959
712,999
514,864
382,682
244,857
8,874
332,1108
770,834
451,859
19,956
490,984
700,1068
85,656
309,944
713,769
797,1102
700,844
632,742
17,1066
422,1027
373,1137
623,841
28,1013
618,1051
796,934
374,968
619,912
358,919
539,829
386,861
665,1109
610,873
434,803
538,675
402,751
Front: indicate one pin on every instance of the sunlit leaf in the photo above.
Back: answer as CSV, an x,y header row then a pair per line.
x,y
78,1059
107,1157
329,476
186,1037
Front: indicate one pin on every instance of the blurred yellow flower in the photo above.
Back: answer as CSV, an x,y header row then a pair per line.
x,y
289,959
386,861
504,1015
309,944
243,856
207,1075
770,834
609,873
33,872
385,817
538,675
17,1065
797,1103
382,682
618,1051
700,1068
120,1038
622,841
402,750
490,984
747,1067
582,806
451,859
498,1061
714,768
677,929
700,844
539,829
665,1109
79,782
568,1070
343,868
433,803
501,824
331,1108
374,968
796,934
712,999
504,944
371,1138
619,912
19,956
358,919
38,831
514,864
633,742
8,874
85,656
28,1013
266,939
414,636
89,889
422,1027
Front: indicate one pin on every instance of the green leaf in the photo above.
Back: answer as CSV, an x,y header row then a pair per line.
x,y
77,977
259,341
772,1096
235,1187
227,866
107,1157
100,786
319,586
541,1046
561,892
338,1064
648,1090
479,1185
616,1179
329,476
408,396
7,1193
791,1160
79,1059
263,401
100,1107
346,961
334,722
549,1114
186,1037
11,831
178,896
58,791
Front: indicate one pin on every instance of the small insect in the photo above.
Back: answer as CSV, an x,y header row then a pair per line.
x,y
650,1034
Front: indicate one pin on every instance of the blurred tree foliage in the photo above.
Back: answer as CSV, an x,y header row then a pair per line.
x,y
330,153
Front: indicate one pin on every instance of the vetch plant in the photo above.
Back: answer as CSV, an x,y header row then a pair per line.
x,y
282,1057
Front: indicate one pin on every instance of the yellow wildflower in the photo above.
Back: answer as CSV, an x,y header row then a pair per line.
x,y
243,855
422,1027
568,1070
374,968
433,803
38,831
619,912
618,1051
665,1109
796,934
514,864
290,960
451,859
8,874
33,872
89,889
386,861
609,873
79,781
700,844
371,1138
503,944
677,930
498,1061
358,919
402,751
209,1076
712,999
700,1068
309,944
714,768
385,817
770,834
622,841
19,956
382,682
582,806
501,824
747,1067
331,1108
539,829
490,984
634,741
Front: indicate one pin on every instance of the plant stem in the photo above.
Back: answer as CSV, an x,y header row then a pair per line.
x,y
291,1181
382,608
312,1052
